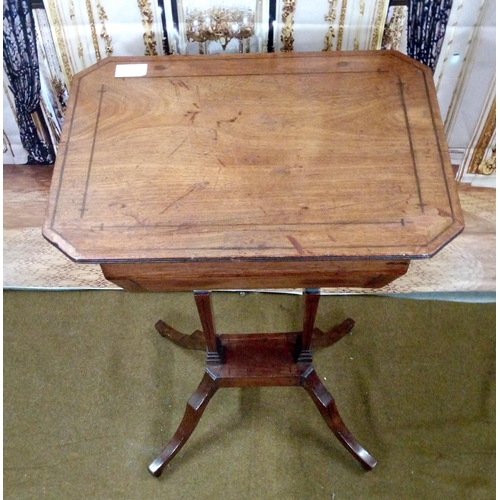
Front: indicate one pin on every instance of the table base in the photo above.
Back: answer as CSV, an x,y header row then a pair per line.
x,y
258,360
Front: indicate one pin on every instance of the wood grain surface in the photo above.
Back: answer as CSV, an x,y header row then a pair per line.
x,y
272,157
467,264
25,195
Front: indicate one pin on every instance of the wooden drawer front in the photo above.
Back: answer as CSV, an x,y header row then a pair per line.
x,y
181,276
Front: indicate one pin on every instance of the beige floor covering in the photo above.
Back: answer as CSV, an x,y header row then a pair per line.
x,y
465,265
92,393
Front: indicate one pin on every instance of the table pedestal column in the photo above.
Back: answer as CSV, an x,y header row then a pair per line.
x,y
259,360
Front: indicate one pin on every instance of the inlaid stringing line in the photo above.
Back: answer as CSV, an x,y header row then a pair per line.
x,y
83,209
412,151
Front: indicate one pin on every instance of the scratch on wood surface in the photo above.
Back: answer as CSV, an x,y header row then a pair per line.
x,y
144,222
296,244
183,141
217,179
193,188
231,120
176,88
178,84
192,115
218,173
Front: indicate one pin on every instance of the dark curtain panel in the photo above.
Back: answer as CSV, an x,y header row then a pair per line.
x,y
20,62
427,20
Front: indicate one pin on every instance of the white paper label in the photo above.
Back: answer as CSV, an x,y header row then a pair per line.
x,y
127,70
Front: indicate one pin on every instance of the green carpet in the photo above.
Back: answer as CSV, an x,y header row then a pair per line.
x,y
92,393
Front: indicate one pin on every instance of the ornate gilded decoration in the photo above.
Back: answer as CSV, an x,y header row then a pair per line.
x,y
330,17
221,25
57,85
93,31
362,6
378,25
394,27
287,15
477,162
80,51
104,34
79,46
488,166
56,25
341,24
147,22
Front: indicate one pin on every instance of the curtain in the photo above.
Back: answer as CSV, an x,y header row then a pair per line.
x,y
427,20
54,93
20,61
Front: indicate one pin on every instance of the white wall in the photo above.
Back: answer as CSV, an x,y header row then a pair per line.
x,y
463,76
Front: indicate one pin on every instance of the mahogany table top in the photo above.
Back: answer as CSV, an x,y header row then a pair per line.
x,y
298,156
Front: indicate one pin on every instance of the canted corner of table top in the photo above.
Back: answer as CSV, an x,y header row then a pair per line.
x,y
265,157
